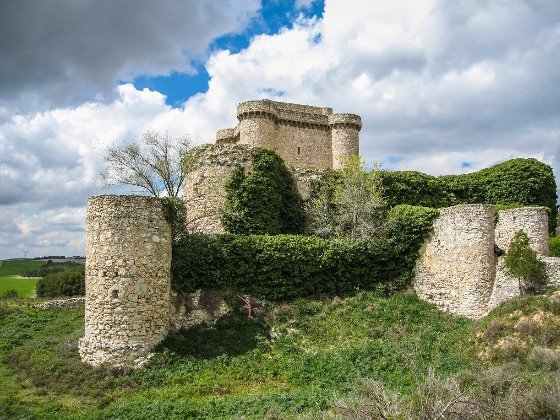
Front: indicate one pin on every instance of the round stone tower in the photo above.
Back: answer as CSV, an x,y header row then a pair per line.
x,y
345,129
532,220
128,262
257,123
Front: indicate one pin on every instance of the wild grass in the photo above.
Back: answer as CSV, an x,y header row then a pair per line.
x,y
289,359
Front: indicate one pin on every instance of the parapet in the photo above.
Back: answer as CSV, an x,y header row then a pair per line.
x,y
346,120
305,136
225,136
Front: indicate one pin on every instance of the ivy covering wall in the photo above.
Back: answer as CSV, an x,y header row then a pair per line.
x,y
284,267
522,182
264,201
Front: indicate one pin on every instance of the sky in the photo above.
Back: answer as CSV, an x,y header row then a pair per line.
x,y
442,87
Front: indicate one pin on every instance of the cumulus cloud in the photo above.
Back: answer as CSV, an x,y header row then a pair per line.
x,y
441,88
64,51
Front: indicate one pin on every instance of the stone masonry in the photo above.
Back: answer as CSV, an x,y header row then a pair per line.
x,y
458,269
128,261
205,192
304,136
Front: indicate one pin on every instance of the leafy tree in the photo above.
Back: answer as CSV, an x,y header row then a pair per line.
x,y
523,263
157,164
349,202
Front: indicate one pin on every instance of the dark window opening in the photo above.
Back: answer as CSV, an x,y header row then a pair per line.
x,y
114,294
298,150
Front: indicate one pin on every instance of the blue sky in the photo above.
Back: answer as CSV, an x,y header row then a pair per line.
x,y
274,16
442,87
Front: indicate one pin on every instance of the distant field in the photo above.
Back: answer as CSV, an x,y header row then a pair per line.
x,y
10,270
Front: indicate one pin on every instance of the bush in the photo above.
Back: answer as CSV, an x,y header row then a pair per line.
x,y
522,262
522,182
67,283
265,201
284,267
554,246
9,294
50,267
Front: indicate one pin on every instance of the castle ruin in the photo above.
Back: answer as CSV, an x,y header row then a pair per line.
x,y
306,137
129,305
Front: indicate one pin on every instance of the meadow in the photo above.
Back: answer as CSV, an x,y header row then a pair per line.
x,y
10,276
308,358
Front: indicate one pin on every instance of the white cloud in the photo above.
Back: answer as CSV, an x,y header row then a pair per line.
x,y
441,88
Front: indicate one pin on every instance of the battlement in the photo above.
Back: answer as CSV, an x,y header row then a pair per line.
x,y
305,136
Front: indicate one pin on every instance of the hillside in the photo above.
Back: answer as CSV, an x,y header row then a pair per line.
x,y
328,358
10,279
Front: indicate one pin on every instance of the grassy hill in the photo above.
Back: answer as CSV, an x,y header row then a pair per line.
x,y
336,358
10,272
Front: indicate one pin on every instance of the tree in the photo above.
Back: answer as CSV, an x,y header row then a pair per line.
x,y
158,164
349,202
522,262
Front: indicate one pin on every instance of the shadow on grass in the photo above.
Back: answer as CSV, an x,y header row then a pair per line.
x,y
233,334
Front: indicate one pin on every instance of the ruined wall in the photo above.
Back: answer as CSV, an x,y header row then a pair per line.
x,y
458,270
204,191
456,267
304,136
128,260
532,220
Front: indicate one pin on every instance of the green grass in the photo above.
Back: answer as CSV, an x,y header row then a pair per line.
x,y
290,359
10,270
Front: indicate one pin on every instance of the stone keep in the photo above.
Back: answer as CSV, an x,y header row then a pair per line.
x,y
304,136
128,261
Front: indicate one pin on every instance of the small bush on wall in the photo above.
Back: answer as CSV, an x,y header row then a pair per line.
x,y
265,201
523,263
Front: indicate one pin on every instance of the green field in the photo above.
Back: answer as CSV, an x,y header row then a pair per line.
x,y
10,270
306,359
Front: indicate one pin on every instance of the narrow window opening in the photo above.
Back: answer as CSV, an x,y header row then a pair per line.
x,y
298,150
114,294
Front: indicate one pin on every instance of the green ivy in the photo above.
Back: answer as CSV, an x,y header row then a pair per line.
x,y
284,267
554,246
522,182
265,201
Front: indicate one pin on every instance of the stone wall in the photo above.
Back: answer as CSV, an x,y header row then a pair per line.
x,y
128,260
304,136
532,220
456,266
458,269
204,192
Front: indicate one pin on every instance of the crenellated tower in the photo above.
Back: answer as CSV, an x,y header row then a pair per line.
x,y
306,137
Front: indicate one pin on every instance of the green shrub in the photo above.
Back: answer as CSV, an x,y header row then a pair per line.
x,y
265,201
49,268
9,294
522,182
67,283
284,267
523,263
554,246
